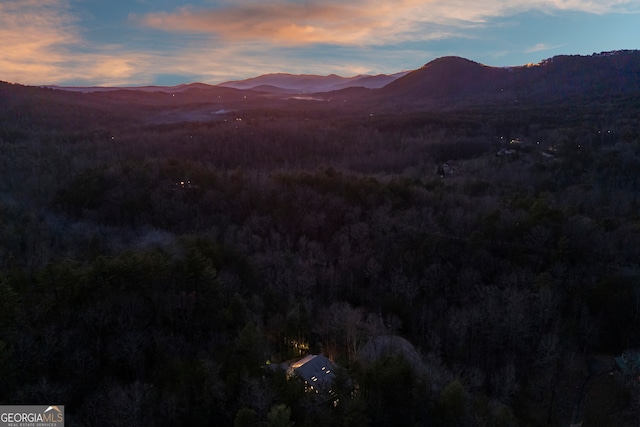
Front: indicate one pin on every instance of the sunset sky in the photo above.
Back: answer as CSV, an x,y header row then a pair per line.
x,y
167,42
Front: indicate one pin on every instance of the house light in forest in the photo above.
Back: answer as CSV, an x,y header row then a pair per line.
x,y
313,369
186,184
300,347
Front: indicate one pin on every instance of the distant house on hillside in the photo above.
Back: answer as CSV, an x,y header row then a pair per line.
x,y
186,184
315,370
447,169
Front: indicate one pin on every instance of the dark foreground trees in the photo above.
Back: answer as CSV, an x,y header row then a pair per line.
x,y
153,278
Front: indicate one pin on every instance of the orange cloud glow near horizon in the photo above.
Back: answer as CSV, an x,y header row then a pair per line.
x,y
42,43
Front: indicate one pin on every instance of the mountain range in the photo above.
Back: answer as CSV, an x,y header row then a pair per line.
x,y
310,83
282,83
444,83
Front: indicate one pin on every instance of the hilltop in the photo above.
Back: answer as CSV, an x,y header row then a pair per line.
x,y
454,82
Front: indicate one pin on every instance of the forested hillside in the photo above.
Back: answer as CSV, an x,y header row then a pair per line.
x,y
153,272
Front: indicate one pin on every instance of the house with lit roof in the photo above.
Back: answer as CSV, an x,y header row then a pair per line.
x,y
315,370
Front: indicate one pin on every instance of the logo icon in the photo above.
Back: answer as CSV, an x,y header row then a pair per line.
x,y
32,415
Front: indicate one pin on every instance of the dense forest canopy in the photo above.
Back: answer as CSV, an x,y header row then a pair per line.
x,y
159,258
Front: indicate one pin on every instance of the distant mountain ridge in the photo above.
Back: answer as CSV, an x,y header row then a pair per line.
x,y
152,88
271,83
456,81
311,83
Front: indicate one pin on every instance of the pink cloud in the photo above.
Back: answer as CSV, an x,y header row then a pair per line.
x,y
541,47
360,22
285,23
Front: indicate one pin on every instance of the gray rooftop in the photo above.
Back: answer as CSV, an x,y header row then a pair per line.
x,y
316,370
